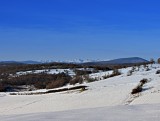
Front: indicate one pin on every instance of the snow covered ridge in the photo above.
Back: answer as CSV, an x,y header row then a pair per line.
x,y
114,92
78,61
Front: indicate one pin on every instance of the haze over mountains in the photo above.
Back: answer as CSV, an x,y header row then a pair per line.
x,y
19,62
130,60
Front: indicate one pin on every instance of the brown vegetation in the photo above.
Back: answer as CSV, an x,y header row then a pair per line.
x,y
139,87
9,78
39,81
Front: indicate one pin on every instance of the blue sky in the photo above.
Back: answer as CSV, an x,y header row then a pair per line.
x,y
85,29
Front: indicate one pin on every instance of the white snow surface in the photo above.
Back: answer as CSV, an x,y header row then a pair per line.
x,y
105,100
49,71
117,113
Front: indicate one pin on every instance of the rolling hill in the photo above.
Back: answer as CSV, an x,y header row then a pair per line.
x,y
120,61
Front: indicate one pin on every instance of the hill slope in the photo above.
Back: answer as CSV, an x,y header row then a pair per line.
x,y
132,60
114,92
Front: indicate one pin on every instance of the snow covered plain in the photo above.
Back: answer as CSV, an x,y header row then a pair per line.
x,y
49,71
105,100
116,113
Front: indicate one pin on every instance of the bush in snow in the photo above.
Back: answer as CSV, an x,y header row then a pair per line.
x,y
91,80
57,83
143,81
136,90
106,76
116,72
77,79
130,73
158,72
147,68
82,72
139,88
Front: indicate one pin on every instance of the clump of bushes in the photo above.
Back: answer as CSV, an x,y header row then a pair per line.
x,y
106,76
139,87
130,72
91,80
143,81
82,72
39,81
57,83
136,90
147,68
116,72
76,79
2,88
158,72
88,79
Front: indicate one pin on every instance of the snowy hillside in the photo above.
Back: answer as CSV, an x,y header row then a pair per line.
x,y
108,99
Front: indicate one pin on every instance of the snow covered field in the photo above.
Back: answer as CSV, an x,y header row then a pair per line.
x,y
105,100
49,71
117,113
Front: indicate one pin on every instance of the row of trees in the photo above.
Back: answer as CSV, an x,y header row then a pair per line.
x,y
39,81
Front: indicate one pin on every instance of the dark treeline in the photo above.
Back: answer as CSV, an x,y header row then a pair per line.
x,y
13,68
27,67
39,81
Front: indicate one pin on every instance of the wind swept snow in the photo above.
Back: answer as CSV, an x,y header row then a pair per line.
x,y
117,113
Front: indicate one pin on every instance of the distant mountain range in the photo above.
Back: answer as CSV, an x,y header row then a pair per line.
x,y
132,60
18,62
31,62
